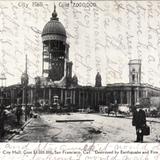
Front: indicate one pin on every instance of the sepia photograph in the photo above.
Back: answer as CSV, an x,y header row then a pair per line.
x,y
80,71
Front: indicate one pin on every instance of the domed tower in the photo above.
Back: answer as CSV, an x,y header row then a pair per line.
x,y
135,71
55,50
75,80
98,80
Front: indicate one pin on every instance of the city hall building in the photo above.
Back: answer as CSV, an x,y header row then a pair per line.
x,y
58,84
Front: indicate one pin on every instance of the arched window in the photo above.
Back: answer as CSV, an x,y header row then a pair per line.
x,y
133,75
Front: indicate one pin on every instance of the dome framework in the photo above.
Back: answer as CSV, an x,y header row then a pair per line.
x,y
54,29
55,49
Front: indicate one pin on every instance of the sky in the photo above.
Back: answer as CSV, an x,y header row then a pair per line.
x,y
102,37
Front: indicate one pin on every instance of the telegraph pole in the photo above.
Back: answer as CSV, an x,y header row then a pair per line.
x,y
3,79
26,84
24,81
2,103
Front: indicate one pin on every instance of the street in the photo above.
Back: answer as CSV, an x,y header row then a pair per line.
x,y
102,130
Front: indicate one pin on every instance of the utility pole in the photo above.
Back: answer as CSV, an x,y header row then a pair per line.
x,y
2,103
26,84
24,81
3,85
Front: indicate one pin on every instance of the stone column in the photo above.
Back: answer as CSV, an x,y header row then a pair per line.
x,y
98,97
86,98
143,94
71,98
138,95
65,97
50,96
91,98
61,95
146,93
79,94
129,97
135,96
121,97
74,97
31,95
23,97
83,99
95,96
113,96
102,96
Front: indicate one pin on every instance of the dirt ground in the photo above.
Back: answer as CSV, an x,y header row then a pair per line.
x,y
102,129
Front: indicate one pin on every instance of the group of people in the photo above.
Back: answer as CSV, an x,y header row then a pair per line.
x,y
139,121
3,116
16,110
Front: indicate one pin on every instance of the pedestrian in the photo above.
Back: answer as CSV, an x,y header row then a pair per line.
x,y
115,108
109,108
18,113
139,120
28,111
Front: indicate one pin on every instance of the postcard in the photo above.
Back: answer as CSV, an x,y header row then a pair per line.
x,y
79,80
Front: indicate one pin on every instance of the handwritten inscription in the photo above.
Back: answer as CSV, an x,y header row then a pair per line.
x,y
102,38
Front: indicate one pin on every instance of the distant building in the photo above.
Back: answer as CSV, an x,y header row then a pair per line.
x,y
57,80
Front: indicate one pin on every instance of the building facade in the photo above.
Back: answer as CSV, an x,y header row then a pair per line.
x,y
57,80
